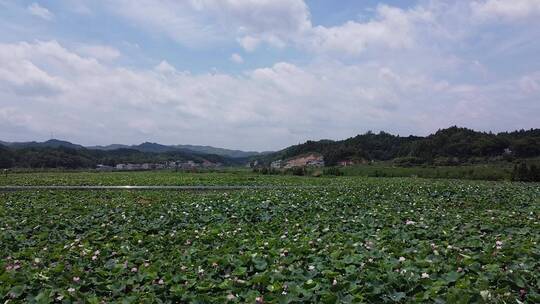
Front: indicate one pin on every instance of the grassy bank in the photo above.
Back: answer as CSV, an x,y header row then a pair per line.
x,y
472,172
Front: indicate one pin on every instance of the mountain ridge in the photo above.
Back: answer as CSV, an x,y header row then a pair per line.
x,y
447,146
149,147
450,146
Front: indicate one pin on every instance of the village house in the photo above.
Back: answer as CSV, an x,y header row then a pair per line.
x,y
311,159
104,168
209,164
133,167
188,165
276,164
253,164
345,163
315,163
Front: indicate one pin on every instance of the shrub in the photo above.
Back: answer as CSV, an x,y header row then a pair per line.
x,y
317,173
299,171
408,161
526,173
333,171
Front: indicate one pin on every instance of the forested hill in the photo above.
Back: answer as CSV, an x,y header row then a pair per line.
x,y
75,158
63,154
446,146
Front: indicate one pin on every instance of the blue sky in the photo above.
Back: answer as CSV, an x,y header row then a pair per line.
x,y
264,74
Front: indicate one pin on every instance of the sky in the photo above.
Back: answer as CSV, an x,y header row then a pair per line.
x,y
264,74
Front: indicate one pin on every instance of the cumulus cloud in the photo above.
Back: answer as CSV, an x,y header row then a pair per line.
x,y
391,28
80,97
435,64
40,11
200,22
101,52
506,10
275,22
236,58
278,23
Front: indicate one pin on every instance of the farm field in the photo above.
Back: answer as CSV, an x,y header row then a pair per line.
x,y
351,240
162,178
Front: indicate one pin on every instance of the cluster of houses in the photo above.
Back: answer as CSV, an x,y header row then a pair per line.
x,y
308,160
183,165
146,166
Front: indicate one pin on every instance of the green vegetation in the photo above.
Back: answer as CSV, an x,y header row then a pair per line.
x,y
493,171
71,158
351,240
141,178
471,172
332,171
452,146
448,147
526,172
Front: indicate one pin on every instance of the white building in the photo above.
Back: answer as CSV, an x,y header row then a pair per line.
x,y
133,167
276,164
104,168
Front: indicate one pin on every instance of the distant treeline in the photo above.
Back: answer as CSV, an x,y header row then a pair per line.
x,y
451,146
73,158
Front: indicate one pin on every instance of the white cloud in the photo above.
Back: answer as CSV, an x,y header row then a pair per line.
x,y
79,6
165,67
201,22
236,58
506,9
89,101
436,64
275,22
249,43
391,28
278,23
40,11
530,84
101,52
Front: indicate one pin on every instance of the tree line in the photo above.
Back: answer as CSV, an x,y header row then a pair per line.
x,y
70,158
449,146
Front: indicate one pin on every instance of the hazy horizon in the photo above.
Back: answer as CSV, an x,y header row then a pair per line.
x,y
261,75
233,148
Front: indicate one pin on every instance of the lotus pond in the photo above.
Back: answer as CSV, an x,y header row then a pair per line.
x,y
360,241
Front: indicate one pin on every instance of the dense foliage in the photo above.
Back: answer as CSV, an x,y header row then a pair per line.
x,y
73,158
493,172
354,240
526,173
446,147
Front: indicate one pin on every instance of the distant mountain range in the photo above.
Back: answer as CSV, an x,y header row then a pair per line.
x,y
52,143
146,147
450,146
159,148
